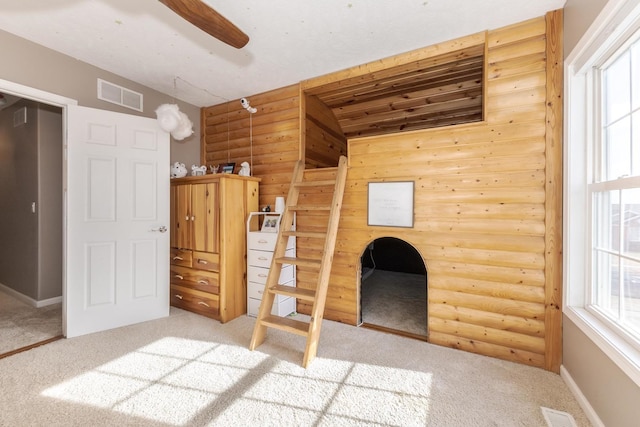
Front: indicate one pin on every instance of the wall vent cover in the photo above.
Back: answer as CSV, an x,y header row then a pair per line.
x,y
119,95
557,418
20,117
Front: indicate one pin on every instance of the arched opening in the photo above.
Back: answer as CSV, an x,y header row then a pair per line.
x,y
393,288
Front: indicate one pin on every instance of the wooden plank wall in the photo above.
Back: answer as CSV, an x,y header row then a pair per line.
x,y
487,198
324,141
484,218
275,128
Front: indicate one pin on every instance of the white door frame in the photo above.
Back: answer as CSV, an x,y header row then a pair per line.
x,y
62,102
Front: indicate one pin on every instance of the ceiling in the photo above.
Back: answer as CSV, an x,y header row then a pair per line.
x,y
290,40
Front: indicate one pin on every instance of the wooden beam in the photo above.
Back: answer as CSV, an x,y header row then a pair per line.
x,y
553,190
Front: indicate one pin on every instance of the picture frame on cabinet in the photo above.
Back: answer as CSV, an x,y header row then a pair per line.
x,y
228,167
270,224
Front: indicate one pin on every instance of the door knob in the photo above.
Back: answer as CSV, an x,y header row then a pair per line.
x,y
161,229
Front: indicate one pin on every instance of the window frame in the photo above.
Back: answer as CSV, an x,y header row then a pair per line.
x,y
611,31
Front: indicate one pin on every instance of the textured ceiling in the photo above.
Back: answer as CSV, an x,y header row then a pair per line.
x,y
290,40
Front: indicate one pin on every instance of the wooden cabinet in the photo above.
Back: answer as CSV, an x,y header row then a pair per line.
x,y
208,243
260,248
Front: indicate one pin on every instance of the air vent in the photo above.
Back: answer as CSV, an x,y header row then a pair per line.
x,y
557,418
119,95
20,117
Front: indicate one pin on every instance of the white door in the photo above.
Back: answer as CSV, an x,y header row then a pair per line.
x,y
117,200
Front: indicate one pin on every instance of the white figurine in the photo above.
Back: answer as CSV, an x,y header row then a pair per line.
x,y
244,169
178,170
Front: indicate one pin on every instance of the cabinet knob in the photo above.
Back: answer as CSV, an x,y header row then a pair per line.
x,y
193,218
186,218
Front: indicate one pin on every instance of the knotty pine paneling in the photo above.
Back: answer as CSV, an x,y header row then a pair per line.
x,y
481,211
487,194
275,131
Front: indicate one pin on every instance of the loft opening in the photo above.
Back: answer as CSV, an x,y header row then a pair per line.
x,y
437,91
393,288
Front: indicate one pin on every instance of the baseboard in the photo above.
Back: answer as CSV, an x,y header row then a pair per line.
x,y
581,398
28,300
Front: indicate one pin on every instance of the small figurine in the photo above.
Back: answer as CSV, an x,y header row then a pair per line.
x,y
244,169
214,169
178,170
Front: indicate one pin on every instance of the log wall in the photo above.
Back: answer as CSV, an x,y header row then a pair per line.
x,y
272,135
487,202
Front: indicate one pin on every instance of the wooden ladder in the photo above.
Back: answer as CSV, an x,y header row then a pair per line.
x,y
317,297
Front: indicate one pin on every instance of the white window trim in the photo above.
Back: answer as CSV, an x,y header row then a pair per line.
x,y
617,21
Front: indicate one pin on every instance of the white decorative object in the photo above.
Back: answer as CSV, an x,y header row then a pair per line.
x,y
279,204
178,170
391,204
245,170
198,170
260,249
174,121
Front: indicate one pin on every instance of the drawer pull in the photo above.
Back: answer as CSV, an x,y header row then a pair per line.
x,y
261,258
178,258
178,296
202,261
203,282
203,303
262,275
177,276
262,241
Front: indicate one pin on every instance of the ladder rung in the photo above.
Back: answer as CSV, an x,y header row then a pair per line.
x,y
310,208
315,183
286,324
323,170
303,262
312,234
290,291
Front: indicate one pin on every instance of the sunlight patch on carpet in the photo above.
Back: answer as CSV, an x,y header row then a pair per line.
x,y
177,381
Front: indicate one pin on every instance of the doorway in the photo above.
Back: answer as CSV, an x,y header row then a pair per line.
x,y
31,177
393,288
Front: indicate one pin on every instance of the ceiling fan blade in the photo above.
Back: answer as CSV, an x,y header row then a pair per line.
x,y
208,20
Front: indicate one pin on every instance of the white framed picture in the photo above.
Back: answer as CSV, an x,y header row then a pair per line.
x,y
390,204
270,223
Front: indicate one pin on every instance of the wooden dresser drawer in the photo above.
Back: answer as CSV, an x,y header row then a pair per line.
x,y
181,257
201,280
193,300
206,261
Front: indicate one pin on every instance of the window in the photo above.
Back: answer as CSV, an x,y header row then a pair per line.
x,y
601,218
615,193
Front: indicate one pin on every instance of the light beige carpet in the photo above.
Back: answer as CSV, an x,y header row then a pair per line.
x,y
188,370
395,300
22,325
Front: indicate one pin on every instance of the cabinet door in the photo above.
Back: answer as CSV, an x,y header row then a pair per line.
x,y
183,215
204,201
